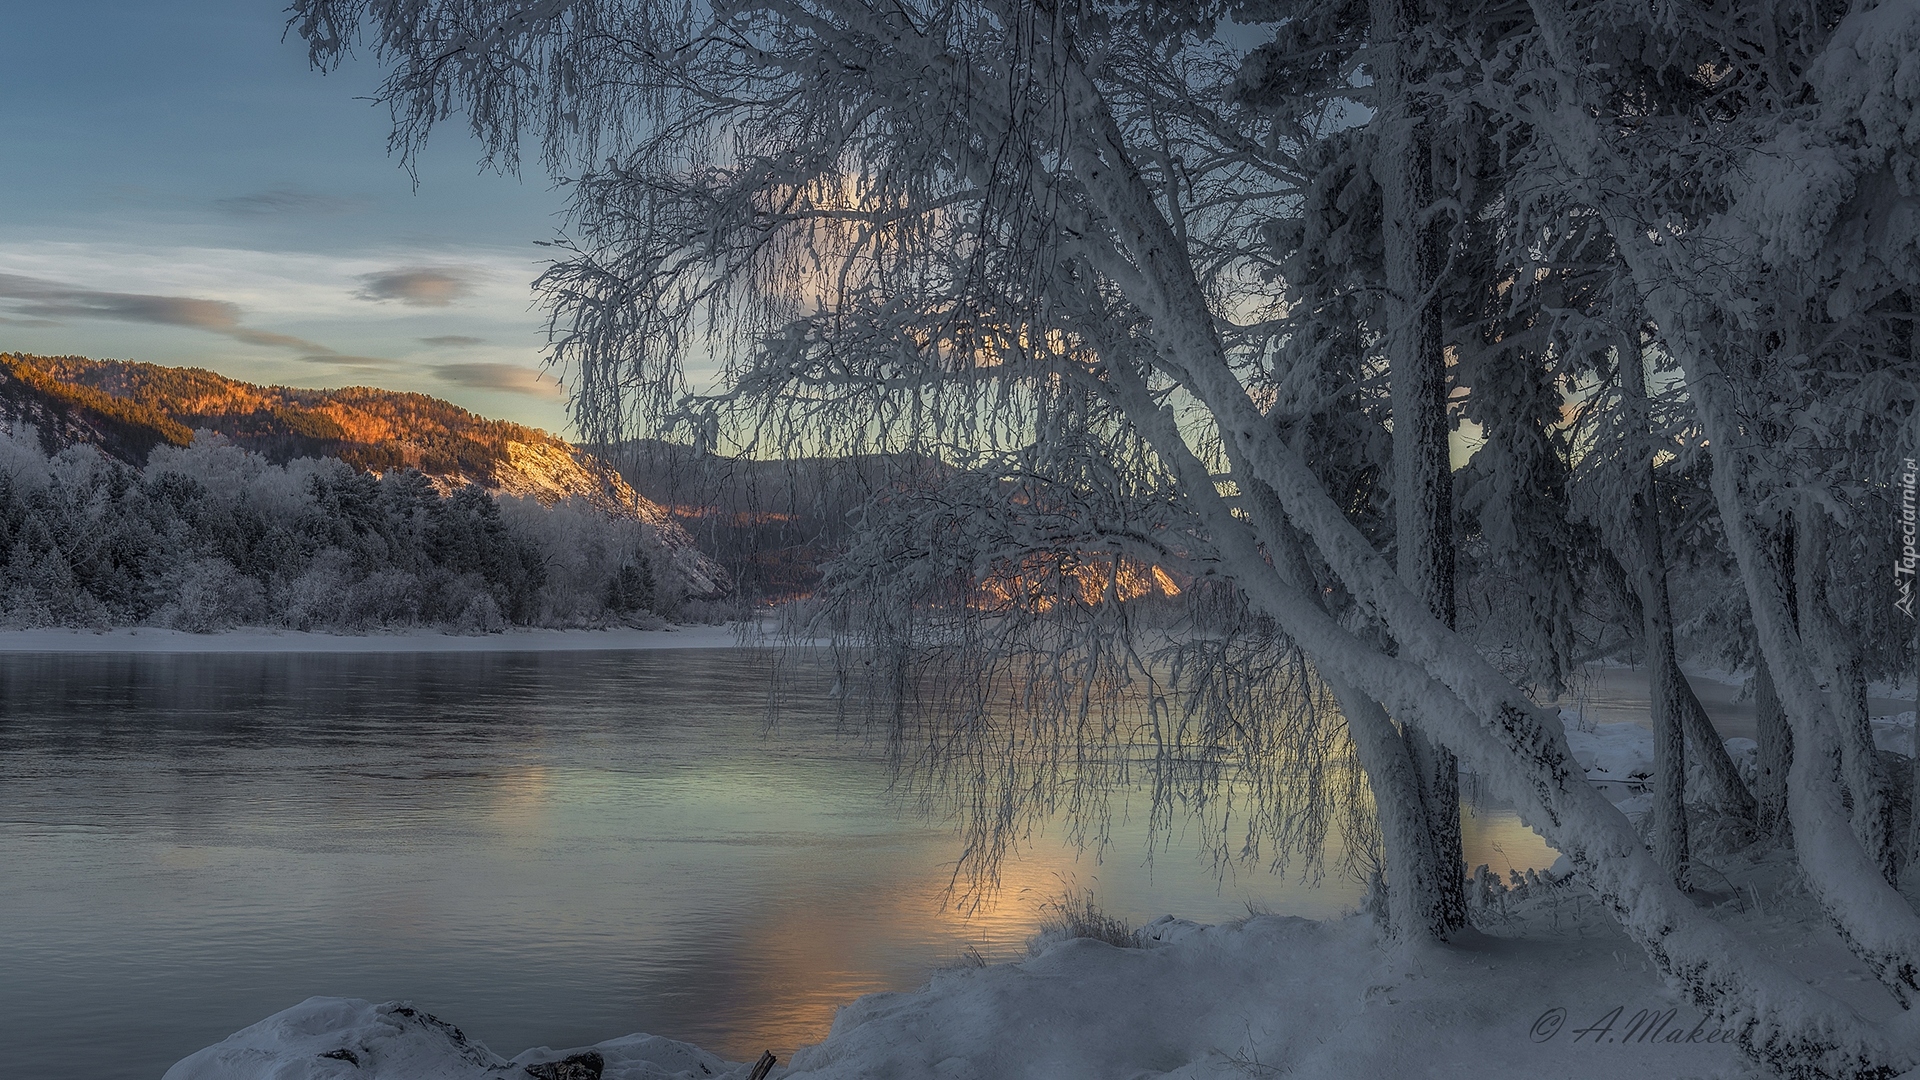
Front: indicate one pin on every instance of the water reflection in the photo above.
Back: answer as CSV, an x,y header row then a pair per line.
x,y
547,848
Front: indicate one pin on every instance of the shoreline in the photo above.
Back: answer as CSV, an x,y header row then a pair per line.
x,y
147,639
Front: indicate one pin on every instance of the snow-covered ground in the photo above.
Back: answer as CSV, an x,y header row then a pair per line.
x,y
1548,989
1545,986
156,640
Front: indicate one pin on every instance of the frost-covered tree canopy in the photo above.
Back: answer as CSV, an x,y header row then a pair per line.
x,y
1167,310
212,536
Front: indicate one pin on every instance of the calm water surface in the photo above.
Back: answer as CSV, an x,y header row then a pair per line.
x,y
544,848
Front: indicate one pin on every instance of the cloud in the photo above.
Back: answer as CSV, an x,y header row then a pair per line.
x,y
346,361
511,378
286,201
421,286
28,322
42,298
453,341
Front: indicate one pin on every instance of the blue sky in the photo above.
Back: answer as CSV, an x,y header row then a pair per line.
x,y
183,189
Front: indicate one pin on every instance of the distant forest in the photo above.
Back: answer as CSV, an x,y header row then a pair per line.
x,y
773,523
211,535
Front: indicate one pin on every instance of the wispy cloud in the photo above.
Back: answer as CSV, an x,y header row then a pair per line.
x,y
42,298
421,286
310,294
361,363
511,378
284,286
281,202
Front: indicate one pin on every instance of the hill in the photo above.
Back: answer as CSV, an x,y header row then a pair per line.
x,y
773,523
128,410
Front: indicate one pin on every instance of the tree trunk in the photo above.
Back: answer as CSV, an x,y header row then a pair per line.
x,y
1725,789
1412,857
1666,683
1415,863
1878,924
1774,757
1773,732
1417,372
1860,761
1668,835
1839,656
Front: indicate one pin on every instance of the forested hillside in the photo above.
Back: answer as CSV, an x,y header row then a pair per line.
x,y
128,408
772,523
136,494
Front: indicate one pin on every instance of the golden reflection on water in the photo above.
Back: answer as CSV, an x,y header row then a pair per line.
x,y
812,959
519,799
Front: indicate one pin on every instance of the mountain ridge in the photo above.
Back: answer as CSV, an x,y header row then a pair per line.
x,y
128,408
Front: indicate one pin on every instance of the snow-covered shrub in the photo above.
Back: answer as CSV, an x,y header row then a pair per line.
x,y
1075,915
478,611
209,594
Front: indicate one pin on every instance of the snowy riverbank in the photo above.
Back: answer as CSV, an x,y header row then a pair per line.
x,y
157,640
1546,986
1550,989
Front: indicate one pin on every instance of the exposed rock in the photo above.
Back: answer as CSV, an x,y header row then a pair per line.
x,y
325,1038
587,1066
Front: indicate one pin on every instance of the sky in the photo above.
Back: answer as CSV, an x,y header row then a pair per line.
x,y
182,188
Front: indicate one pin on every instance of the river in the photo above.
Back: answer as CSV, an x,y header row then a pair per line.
x,y
543,847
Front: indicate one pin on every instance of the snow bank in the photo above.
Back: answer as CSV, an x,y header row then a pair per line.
x,y
154,640
1274,996
1270,996
325,1038
1617,756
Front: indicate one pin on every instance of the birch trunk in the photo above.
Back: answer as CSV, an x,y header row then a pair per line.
x,y
1877,923
1413,865
1727,791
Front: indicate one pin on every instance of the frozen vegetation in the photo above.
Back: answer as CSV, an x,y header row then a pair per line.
x,y
210,537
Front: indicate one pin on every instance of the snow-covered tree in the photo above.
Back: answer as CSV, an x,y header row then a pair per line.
x,y
1043,251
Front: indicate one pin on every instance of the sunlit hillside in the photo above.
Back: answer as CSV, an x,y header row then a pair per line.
x,y
128,409
367,427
